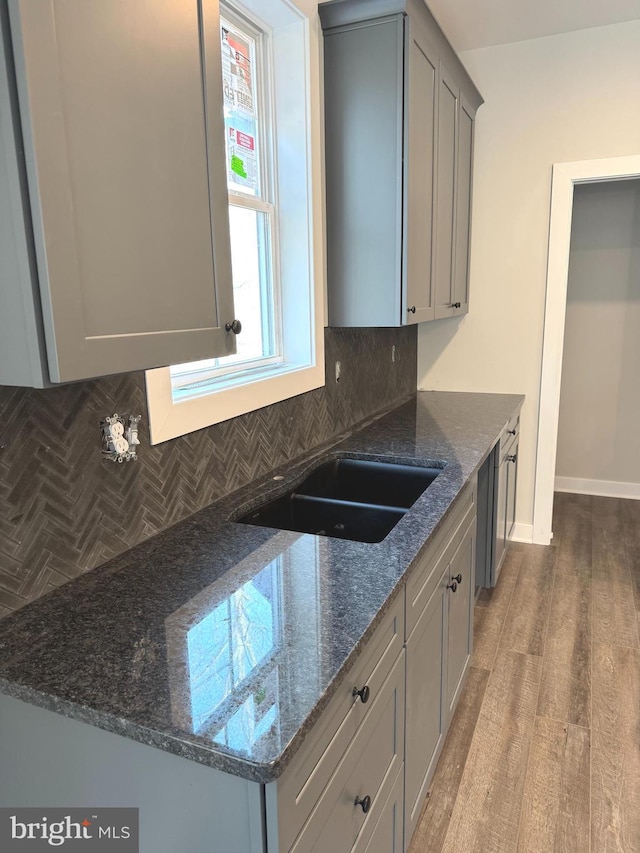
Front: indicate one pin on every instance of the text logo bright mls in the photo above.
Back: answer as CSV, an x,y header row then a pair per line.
x,y
71,829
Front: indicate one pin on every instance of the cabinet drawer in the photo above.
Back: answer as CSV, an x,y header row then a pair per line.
x,y
373,759
508,438
304,780
387,834
426,573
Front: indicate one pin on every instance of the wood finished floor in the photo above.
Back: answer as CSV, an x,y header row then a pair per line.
x,y
543,754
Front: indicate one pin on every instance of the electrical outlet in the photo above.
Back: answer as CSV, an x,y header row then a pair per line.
x,y
393,354
338,370
119,435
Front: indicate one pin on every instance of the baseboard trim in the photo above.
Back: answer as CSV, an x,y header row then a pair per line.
x,y
601,488
523,533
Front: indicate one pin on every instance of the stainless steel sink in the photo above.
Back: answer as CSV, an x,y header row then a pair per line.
x,y
347,499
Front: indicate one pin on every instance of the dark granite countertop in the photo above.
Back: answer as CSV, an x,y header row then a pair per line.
x,y
223,642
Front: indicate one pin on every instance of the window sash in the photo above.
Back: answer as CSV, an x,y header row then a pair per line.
x,y
210,375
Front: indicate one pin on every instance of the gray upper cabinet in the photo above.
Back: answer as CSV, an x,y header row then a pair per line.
x,y
399,113
419,172
448,101
454,181
466,119
114,220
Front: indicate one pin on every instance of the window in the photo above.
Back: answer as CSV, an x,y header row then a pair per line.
x,y
272,144
249,170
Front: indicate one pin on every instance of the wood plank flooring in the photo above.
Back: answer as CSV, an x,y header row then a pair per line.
x,y
543,754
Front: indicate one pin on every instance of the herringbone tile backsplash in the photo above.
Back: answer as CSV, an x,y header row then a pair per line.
x,y
64,511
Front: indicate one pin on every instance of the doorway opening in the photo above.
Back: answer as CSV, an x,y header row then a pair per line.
x,y
565,177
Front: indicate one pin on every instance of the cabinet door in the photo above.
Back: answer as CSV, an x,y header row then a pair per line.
x,y
459,623
125,162
500,497
425,720
420,120
363,89
387,835
464,176
511,464
445,194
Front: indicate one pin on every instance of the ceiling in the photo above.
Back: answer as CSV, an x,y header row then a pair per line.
x,y
471,24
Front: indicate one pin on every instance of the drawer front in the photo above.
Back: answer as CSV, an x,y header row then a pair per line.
x,y
509,438
513,427
374,757
304,780
387,834
426,573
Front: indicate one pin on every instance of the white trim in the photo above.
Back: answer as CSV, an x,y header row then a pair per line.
x,y
249,202
602,488
565,176
522,533
171,420
296,43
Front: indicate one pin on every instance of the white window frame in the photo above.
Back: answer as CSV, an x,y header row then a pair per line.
x,y
296,46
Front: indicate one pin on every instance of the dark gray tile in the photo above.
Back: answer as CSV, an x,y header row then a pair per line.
x,y
64,511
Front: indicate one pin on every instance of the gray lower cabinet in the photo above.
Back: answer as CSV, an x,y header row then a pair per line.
x,y
505,499
114,244
354,750
460,615
347,814
52,761
438,650
506,476
356,784
387,833
399,116
511,487
497,486
426,721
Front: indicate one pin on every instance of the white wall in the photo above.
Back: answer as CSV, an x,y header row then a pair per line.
x,y
569,97
599,429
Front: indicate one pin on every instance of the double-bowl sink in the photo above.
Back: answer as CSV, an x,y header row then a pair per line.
x,y
355,499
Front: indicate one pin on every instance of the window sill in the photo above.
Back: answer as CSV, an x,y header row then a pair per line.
x,y
168,419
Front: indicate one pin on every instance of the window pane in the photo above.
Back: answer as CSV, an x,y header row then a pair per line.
x,y
252,291
240,110
252,294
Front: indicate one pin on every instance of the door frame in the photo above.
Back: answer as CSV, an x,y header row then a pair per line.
x,y
565,177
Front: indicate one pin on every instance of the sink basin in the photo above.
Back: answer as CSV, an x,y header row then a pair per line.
x,y
381,483
347,499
